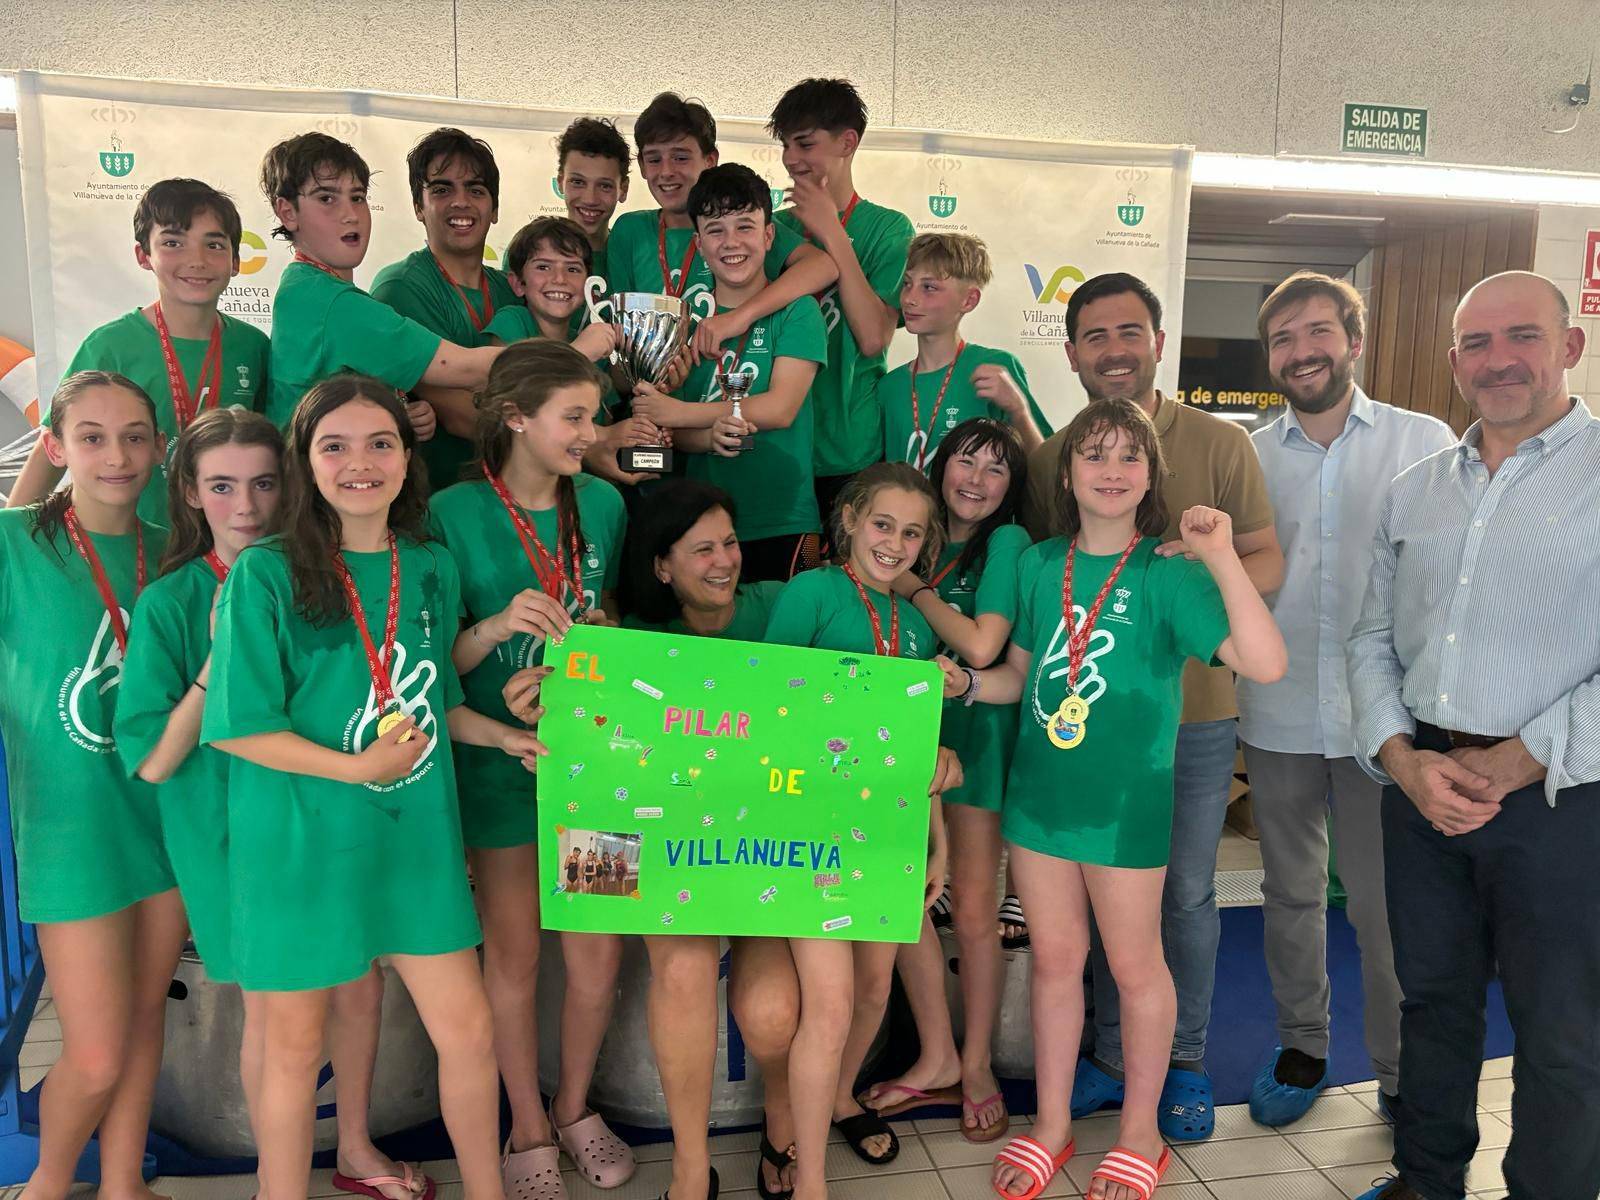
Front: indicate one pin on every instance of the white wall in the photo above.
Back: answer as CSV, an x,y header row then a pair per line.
x,y
1252,76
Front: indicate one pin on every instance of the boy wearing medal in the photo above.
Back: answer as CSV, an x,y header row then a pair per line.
x,y
184,354
657,250
1104,627
322,323
446,287
821,123
950,380
759,448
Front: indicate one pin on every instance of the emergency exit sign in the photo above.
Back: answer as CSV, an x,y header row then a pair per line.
x,y
1589,293
1385,129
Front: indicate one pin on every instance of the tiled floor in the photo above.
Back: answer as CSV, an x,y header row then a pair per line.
x,y
1333,1153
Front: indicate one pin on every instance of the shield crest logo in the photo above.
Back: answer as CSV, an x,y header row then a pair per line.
x,y
942,206
116,162
1131,213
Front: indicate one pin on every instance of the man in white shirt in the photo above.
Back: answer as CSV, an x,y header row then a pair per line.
x,y
1328,463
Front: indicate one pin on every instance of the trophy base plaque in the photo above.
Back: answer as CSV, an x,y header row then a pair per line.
x,y
641,459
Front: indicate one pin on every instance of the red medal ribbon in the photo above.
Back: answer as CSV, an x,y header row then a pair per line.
x,y
378,665
688,258
891,648
478,322
218,567
849,210
943,571
551,572
184,406
97,571
916,411
300,256
1078,639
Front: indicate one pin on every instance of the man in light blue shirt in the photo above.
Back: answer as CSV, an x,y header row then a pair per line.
x,y
1475,683
1328,462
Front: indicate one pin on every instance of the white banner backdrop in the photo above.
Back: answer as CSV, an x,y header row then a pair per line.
x,y
1052,213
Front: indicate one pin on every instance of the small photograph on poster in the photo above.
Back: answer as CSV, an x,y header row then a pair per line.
x,y
595,863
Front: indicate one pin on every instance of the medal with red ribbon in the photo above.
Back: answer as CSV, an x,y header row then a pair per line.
x,y
378,663
184,405
479,320
102,582
683,269
552,573
1067,726
891,648
300,256
919,436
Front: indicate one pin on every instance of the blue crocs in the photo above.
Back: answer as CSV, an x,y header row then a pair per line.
x,y
1093,1089
1186,1113
1272,1103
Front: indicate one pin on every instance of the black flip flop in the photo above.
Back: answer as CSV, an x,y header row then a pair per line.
x,y
859,1128
1011,914
772,1155
711,1190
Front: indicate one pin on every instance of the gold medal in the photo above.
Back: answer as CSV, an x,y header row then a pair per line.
x,y
392,718
1066,727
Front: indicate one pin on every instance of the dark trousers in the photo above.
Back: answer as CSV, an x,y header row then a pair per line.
x,y
1519,897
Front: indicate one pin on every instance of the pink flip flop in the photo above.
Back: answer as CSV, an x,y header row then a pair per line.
x,y
418,1184
601,1156
911,1099
977,1134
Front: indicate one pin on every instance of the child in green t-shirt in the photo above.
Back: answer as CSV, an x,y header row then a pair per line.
x,y
950,380
322,323
91,870
592,171
1104,627
656,250
777,357
446,287
332,689
184,354
821,123
536,543
885,524
979,475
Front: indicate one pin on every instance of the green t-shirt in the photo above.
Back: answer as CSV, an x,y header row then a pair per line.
x,y
752,606
983,735
131,346
822,608
327,876
322,325
518,324
497,792
634,260
415,287
849,415
772,483
960,404
1108,800
170,640
88,837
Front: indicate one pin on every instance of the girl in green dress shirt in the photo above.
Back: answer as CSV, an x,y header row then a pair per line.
x,y
681,574
1104,626
332,689
536,543
91,871
224,486
885,524
980,475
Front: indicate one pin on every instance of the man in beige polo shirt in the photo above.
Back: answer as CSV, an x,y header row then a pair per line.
x,y
1114,341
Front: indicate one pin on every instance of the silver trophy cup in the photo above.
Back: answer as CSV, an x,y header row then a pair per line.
x,y
651,329
736,387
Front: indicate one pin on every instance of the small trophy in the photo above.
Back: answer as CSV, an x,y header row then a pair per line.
x,y
736,387
651,329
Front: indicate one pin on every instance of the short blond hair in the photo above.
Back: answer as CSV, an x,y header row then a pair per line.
x,y
952,256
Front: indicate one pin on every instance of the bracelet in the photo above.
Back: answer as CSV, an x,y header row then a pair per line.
x,y
475,636
927,587
200,685
974,684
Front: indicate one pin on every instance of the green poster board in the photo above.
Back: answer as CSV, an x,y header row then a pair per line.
x,y
750,790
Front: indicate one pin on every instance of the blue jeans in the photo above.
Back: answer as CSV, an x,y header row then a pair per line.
x,y
1190,927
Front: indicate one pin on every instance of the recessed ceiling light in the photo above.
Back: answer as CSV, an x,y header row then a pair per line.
x,y
1296,218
